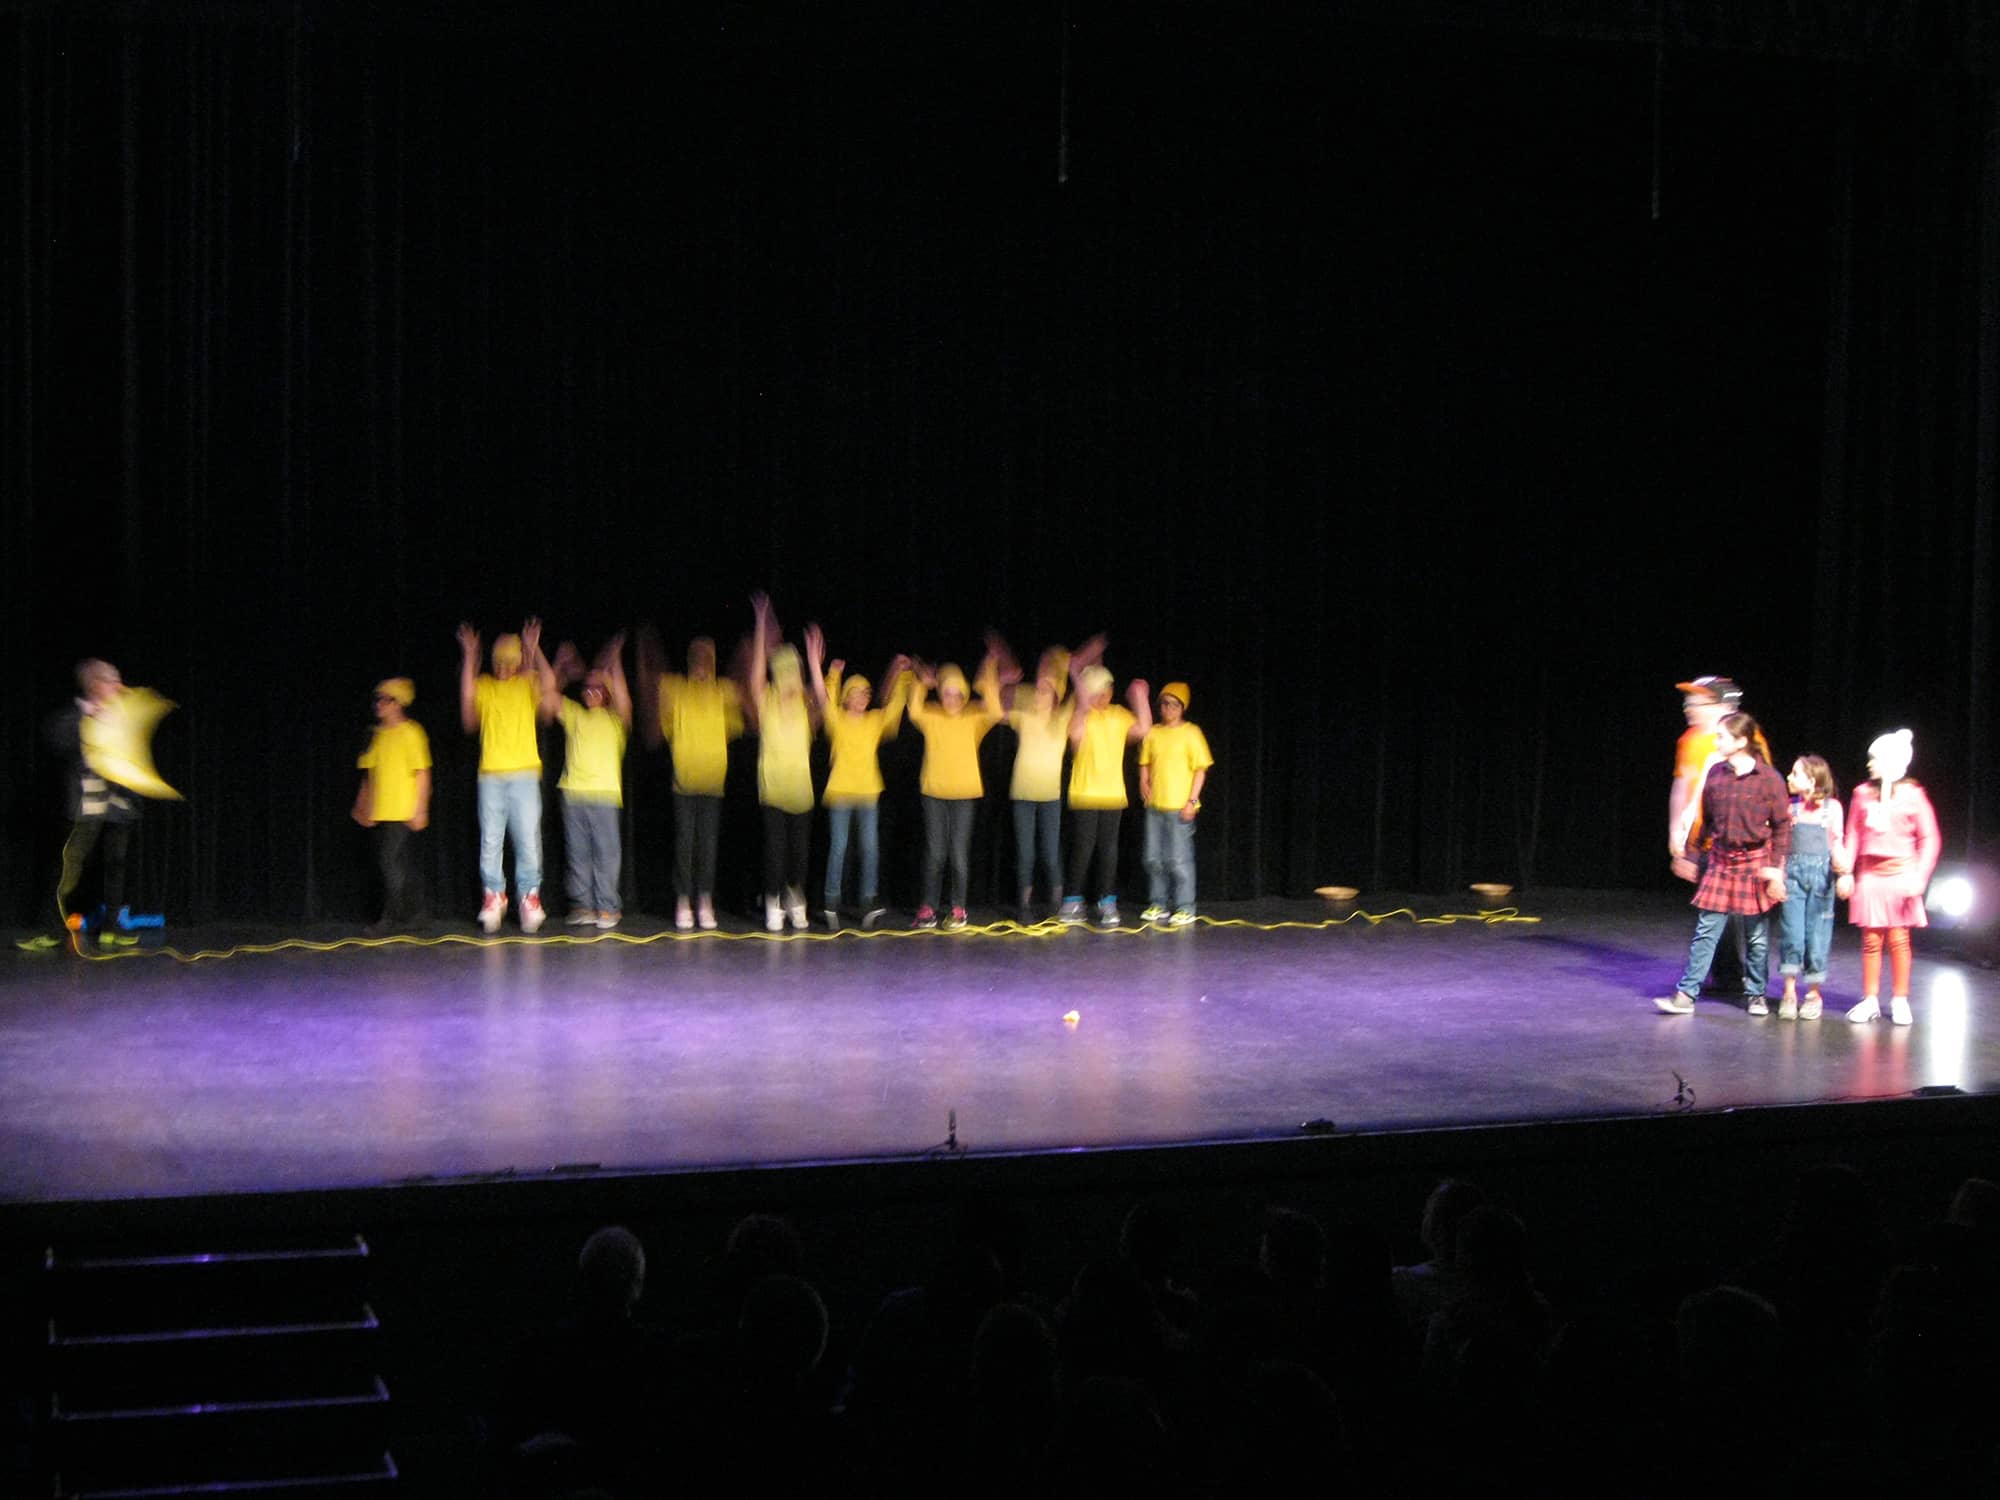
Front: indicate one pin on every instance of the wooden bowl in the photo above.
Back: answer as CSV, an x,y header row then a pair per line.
x,y
1492,890
1337,892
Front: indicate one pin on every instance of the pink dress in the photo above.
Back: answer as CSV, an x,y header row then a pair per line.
x,y
1892,848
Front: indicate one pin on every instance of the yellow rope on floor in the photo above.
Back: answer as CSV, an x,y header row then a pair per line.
x,y
1005,928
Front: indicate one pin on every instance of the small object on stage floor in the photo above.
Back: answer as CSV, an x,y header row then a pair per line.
x,y
1316,1126
1491,890
1071,1018
1337,892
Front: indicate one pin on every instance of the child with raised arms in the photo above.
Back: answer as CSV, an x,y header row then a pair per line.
x,y
593,779
950,781
1099,732
855,734
785,717
696,715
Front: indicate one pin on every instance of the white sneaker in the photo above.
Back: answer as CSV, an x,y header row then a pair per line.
x,y
1899,1009
683,916
796,915
1675,1004
491,910
1868,1010
1759,1006
774,916
704,915
532,915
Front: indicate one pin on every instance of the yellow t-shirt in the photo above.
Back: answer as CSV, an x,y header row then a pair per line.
x,y
392,760
593,760
951,749
1038,756
1097,775
784,753
507,723
699,720
855,776
1174,752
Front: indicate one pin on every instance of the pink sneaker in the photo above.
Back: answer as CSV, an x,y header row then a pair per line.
x,y
532,915
491,910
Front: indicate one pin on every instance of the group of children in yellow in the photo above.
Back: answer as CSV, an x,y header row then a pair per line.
x,y
1067,709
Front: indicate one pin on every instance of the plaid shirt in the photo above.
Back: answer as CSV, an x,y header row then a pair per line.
x,y
1750,820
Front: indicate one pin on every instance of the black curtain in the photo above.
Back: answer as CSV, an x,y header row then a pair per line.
x,y
1430,397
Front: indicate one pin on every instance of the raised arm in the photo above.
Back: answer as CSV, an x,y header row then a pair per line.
x,y
816,667
987,684
468,679
923,678
760,647
548,695
896,679
611,662
651,661
1140,695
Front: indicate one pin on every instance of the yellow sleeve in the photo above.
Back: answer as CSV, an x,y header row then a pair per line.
x,y
732,710
420,758
899,697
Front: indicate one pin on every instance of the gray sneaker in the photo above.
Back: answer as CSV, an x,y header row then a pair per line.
x,y
1675,1004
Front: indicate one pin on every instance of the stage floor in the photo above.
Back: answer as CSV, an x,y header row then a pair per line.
x,y
366,1066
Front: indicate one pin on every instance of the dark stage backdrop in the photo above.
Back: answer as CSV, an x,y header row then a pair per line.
x,y
1431,397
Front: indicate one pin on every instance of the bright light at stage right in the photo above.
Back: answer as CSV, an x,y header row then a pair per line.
x,y
1952,896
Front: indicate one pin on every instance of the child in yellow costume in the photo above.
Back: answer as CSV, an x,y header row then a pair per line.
x,y
855,734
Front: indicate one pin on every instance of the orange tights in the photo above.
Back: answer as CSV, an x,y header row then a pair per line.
x,y
1899,960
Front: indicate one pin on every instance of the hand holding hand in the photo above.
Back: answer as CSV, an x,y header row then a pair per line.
x,y
1844,887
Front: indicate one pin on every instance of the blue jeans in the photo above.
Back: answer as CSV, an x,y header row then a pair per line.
x,y
590,835
1805,923
510,806
947,839
1169,855
1037,825
1708,927
867,821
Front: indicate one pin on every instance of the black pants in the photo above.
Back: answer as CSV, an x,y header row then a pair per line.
x,y
1094,830
393,857
947,839
787,845
112,836
697,831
